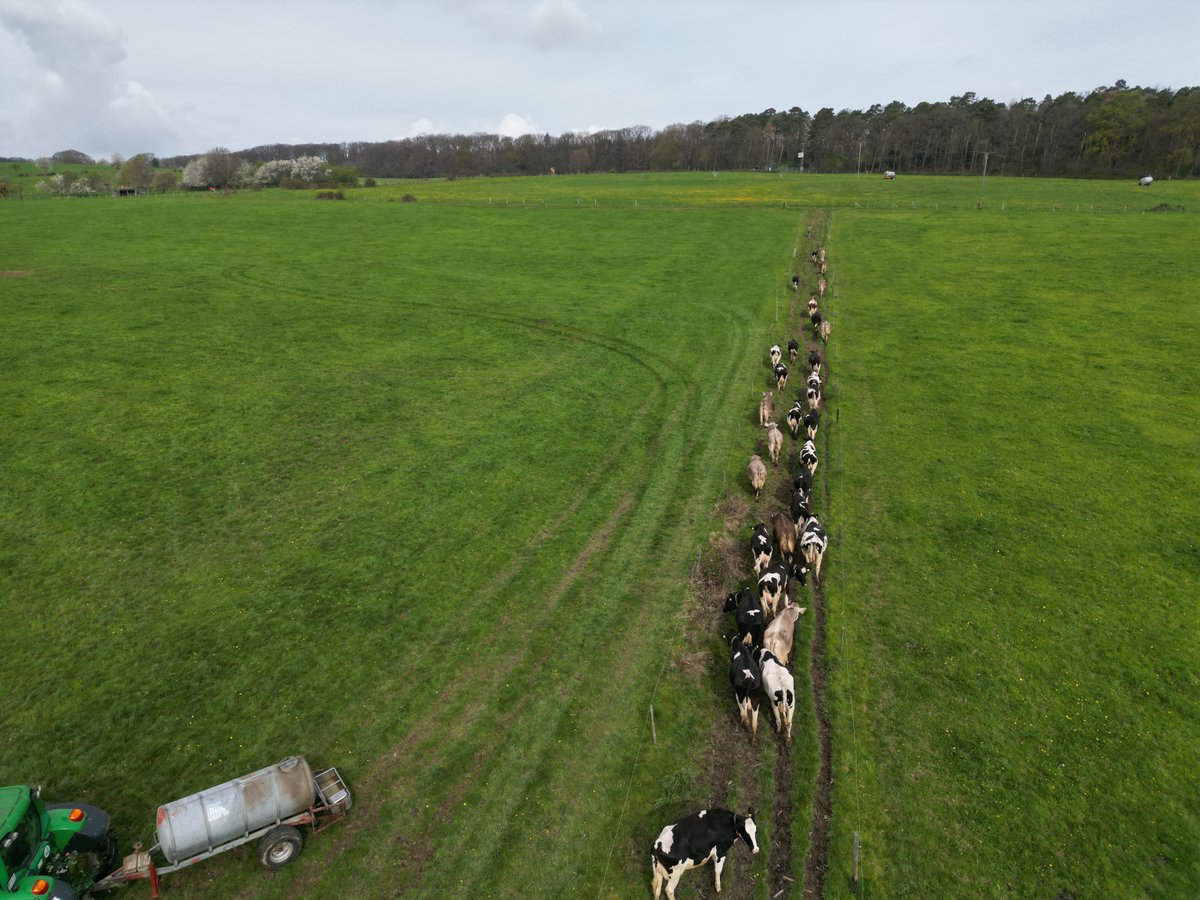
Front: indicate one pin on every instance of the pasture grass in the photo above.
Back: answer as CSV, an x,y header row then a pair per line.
x,y
418,490
693,190
409,489
1014,618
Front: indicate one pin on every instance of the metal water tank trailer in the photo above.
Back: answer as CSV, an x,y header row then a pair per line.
x,y
203,821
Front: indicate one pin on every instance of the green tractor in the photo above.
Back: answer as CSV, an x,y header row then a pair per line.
x,y
50,851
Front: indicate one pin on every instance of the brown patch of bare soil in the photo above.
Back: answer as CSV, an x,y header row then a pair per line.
x,y
13,273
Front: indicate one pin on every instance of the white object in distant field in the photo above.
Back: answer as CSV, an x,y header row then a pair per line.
x,y
1146,182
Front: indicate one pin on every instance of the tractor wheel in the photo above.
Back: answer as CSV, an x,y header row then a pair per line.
x,y
280,846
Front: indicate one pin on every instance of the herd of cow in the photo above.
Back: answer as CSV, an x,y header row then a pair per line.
x,y
765,619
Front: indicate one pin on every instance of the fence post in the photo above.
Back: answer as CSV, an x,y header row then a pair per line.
x,y
855,881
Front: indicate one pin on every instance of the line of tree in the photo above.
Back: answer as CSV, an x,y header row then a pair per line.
x,y
1112,131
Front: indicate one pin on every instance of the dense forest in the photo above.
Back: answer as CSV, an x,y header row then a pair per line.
x,y
1116,131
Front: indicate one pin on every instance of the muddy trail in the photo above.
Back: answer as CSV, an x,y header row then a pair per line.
x,y
734,774
816,862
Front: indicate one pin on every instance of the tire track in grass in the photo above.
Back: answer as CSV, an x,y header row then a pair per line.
x,y
434,720
639,542
620,679
470,723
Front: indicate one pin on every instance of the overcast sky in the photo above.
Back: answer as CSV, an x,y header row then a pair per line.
x,y
183,76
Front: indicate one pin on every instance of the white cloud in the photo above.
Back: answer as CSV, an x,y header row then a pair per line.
x,y
557,23
514,126
419,127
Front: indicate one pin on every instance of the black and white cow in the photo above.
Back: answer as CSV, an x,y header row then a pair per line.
x,y
814,360
781,374
800,509
746,681
695,840
813,542
814,380
795,418
780,688
793,350
776,354
747,615
813,395
812,419
762,548
808,456
803,481
772,586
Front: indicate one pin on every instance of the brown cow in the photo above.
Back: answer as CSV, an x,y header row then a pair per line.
x,y
826,328
778,636
785,535
758,474
766,408
821,285
774,441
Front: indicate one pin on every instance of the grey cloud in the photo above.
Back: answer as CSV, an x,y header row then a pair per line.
x,y
72,90
558,23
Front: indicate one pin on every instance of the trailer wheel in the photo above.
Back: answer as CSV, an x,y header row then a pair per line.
x,y
280,846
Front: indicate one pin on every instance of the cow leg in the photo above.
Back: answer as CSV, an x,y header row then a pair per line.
x,y
817,570
753,724
677,871
718,865
656,885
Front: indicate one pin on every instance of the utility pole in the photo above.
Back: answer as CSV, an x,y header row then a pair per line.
x,y
859,172
983,180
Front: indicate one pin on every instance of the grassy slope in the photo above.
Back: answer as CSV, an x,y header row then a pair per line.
x,y
411,490
1015,612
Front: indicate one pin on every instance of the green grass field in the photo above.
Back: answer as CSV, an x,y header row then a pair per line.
x,y
1015,602
420,490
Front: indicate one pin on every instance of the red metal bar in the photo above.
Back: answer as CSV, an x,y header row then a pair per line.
x,y
155,891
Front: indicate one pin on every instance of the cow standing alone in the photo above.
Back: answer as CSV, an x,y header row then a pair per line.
x,y
697,839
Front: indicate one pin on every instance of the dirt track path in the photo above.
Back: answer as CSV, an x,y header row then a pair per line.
x,y
816,862
731,768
